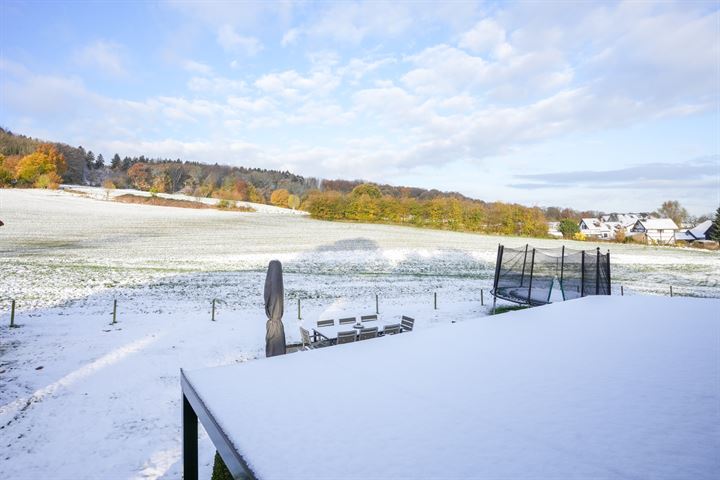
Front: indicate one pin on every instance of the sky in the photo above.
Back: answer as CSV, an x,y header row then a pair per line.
x,y
611,106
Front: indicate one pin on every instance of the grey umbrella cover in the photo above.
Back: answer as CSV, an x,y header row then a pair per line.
x,y
274,299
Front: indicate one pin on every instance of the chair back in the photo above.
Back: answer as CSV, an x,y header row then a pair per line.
x,y
346,320
391,329
367,333
325,323
368,318
346,337
407,323
305,335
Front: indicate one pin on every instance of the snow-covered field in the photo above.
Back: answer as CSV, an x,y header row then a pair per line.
x,y
112,392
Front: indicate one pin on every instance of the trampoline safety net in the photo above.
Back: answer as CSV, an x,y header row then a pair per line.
x,y
528,275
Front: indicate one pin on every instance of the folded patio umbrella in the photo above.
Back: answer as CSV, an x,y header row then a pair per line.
x,y
274,298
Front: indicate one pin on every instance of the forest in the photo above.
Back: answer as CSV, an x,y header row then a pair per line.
x,y
29,162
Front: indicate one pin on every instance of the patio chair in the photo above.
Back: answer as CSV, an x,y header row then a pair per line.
x,y
308,344
407,324
368,318
346,337
391,329
368,333
347,320
325,323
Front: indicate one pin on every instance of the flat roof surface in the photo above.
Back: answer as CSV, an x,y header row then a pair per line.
x,y
602,387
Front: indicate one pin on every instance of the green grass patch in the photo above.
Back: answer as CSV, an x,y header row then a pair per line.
x,y
508,308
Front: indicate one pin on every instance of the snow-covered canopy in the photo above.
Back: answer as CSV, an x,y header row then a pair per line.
x,y
560,391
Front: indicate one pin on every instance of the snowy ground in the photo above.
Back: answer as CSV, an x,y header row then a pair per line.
x,y
113,391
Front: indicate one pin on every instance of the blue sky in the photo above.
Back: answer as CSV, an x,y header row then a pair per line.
x,y
611,105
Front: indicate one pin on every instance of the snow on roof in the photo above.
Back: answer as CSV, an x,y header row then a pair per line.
x,y
658,224
699,231
558,391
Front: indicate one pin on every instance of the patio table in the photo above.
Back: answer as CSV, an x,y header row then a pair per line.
x,y
331,332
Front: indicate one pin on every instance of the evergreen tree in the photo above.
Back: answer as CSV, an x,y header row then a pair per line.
x,y
90,160
715,228
100,162
115,163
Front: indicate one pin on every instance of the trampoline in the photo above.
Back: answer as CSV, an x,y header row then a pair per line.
x,y
528,275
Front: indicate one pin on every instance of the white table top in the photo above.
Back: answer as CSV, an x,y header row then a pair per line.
x,y
620,387
332,331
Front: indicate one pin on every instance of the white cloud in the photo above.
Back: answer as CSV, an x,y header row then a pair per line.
x,y
215,85
291,37
231,41
487,36
104,56
197,67
292,85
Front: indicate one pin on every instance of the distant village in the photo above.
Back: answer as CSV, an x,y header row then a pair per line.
x,y
645,228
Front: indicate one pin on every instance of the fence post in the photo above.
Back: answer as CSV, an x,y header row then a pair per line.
x,y
532,267
377,305
213,310
299,315
522,275
597,272
562,271
582,274
435,300
114,311
671,292
622,292
482,298
12,314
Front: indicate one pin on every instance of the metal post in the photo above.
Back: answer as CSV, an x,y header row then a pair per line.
x,y
671,292
213,310
582,274
522,275
377,305
12,314
498,263
597,272
299,315
609,285
532,266
190,441
562,271
482,298
114,311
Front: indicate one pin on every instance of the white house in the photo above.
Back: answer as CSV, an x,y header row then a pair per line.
x,y
595,228
553,230
698,232
656,230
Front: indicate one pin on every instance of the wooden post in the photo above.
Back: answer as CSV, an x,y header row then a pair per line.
x,y
114,312
213,310
482,298
435,300
622,292
377,305
671,292
12,314
299,315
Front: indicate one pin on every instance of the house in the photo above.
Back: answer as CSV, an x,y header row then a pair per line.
x,y
553,230
596,229
660,231
701,231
